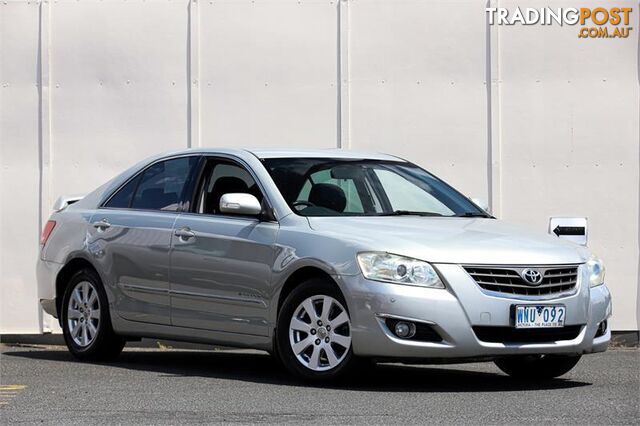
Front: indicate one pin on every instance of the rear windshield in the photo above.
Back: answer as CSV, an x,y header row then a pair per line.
x,y
346,187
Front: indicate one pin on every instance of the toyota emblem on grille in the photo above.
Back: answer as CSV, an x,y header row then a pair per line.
x,y
531,276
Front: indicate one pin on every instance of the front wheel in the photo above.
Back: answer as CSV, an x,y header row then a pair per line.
x,y
86,322
314,332
537,366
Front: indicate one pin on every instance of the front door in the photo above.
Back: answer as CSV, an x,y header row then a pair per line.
x,y
221,264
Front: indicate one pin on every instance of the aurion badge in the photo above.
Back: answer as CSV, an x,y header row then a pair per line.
x,y
531,276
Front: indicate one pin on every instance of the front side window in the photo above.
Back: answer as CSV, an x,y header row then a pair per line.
x,y
159,187
345,187
223,177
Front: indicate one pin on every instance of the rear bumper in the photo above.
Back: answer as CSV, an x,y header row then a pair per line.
x,y
454,311
50,307
46,273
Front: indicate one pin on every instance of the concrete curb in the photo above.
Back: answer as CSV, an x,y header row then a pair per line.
x,y
50,339
625,339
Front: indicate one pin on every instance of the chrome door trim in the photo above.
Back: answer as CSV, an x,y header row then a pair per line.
x,y
228,299
144,289
179,293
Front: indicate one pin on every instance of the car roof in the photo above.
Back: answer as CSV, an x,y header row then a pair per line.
x,y
294,153
320,153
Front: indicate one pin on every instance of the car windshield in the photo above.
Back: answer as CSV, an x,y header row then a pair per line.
x,y
346,187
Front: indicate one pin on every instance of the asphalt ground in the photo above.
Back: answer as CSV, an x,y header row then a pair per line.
x,y
44,384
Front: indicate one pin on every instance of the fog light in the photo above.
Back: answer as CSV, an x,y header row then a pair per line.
x,y
404,330
602,328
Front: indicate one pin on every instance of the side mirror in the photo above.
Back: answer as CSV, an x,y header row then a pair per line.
x,y
238,203
481,203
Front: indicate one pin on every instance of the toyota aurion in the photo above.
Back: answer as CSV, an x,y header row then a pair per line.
x,y
324,258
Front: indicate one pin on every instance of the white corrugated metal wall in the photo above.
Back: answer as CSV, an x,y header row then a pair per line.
x,y
534,119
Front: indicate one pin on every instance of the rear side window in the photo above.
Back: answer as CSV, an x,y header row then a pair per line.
x,y
161,185
122,198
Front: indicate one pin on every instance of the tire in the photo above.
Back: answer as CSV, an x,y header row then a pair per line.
x,y
86,322
322,353
538,367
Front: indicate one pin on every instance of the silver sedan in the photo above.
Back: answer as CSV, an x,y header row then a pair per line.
x,y
324,258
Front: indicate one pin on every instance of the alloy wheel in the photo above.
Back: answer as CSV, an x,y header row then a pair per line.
x,y
320,333
83,314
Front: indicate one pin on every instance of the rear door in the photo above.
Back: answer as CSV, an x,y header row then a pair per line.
x,y
131,238
221,264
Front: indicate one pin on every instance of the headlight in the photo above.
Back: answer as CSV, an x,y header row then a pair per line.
x,y
595,268
398,269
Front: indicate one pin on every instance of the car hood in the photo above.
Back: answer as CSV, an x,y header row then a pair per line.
x,y
452,240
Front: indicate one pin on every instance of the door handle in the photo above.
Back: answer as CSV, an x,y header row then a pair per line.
x,y
101,225
184,233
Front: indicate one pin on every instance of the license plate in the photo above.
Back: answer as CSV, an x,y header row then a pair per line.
x,y
540,316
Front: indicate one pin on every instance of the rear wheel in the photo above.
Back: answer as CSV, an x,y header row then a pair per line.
x,y
314,332
537,366
86,322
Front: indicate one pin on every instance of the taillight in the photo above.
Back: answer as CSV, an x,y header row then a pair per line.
x,y
48,228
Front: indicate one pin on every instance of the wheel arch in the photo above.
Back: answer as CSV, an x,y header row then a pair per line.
x,y
301,275
72,266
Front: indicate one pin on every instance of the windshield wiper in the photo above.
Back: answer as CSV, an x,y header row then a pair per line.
x,y
409,213
474,214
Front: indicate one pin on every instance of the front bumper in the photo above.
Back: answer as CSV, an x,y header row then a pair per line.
x,y
454,311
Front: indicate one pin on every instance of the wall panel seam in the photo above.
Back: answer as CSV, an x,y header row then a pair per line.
x,y
343,75
193,75
494,106
44,129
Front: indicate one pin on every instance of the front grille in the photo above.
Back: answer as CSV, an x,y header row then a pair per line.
x,y
557,279
526,335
